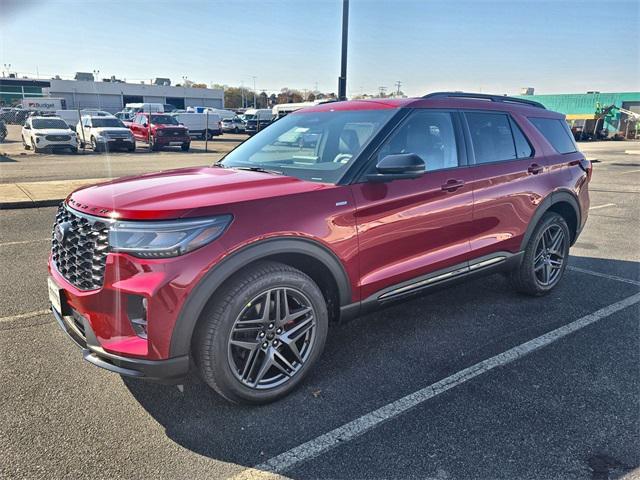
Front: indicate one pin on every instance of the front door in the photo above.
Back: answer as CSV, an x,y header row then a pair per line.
x,y
411,228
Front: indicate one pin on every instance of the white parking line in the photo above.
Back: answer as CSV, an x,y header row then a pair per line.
x,y
20,316
22,242
363,424
603,206
604,275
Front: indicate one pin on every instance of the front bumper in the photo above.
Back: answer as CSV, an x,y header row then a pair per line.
x,y
172,370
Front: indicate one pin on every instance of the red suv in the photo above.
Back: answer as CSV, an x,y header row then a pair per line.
x,y
237,269
163,131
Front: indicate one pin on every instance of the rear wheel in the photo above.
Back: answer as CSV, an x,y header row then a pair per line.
x,y
262,333
545,258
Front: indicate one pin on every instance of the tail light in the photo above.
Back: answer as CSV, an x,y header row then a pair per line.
x,y
587,166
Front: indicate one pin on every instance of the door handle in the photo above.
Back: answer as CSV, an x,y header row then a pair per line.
x,y
452,185
535,169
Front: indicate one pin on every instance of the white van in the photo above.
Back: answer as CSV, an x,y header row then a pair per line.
x,y
196,123
224,114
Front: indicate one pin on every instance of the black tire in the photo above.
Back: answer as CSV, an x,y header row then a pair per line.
x,y
153,145
73,150
526,278
34,148
132,148
211,344
25,145
94,145
236,130
185,147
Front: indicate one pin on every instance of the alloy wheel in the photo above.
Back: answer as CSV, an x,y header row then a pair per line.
x,y
272,338
550,255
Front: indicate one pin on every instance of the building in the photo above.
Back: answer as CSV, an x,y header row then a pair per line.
x,y
599,111
13,90
108,95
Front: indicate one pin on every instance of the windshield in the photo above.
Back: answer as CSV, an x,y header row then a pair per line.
x,y
316,146
249,116
40,123
107,122
164,120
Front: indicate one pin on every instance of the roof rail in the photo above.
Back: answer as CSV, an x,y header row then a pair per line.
x,y
484,96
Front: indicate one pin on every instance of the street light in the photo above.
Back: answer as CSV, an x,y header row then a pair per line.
x,y
254,91
95,74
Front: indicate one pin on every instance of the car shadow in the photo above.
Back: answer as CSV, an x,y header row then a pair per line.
x,y
378,358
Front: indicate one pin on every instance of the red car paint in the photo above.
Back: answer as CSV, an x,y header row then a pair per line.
x,y
383,234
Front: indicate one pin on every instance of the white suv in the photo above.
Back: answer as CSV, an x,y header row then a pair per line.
x,y
53,133
104,133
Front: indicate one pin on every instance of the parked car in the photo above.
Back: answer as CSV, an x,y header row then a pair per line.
x,y
199,124
237,269
105,134
257,119
50,133
3,131
163,131
234,125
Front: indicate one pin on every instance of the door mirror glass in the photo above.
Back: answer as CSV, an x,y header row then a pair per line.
x,y
398,167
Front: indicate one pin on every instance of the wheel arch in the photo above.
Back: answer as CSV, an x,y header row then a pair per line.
x,y
309,256
563,202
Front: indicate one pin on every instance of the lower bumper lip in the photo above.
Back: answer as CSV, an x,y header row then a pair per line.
x,y
172,370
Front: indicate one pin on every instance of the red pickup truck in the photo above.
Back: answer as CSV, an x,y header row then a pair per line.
x,y
162,130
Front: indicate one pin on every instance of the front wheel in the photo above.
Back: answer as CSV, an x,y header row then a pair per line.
x,y
545,258
185,147
262,333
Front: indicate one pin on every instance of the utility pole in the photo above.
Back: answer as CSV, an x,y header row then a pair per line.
x,y
382,90
398,85
342,80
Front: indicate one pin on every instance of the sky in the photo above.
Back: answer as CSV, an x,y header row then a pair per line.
x,y
491,46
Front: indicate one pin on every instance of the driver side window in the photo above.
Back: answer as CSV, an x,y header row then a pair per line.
x,y
428,134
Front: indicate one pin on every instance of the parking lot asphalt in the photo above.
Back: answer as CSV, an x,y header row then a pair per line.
x,y
568,409
18,165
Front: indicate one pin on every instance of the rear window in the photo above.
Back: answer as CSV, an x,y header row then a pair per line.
x,y
556,132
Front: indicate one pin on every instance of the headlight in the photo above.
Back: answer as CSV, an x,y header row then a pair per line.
x,y
165,239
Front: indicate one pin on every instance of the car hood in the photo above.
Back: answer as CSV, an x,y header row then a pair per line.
x,y
53,131
187,192
111,129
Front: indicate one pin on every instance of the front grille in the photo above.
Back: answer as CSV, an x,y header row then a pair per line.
x,y
58,138
117,134
79,248
172,132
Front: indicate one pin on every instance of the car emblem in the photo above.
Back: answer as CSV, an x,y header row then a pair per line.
x,y
60,232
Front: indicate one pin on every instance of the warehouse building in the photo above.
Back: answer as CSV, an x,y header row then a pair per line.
x,y
596,114
108,95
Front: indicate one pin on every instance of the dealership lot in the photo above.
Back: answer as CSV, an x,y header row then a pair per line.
x,y
566,410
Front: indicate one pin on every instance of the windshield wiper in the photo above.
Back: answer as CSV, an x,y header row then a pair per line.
x,y
259,169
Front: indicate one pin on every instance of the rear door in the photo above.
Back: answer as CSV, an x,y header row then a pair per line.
x,y
411,228
508,177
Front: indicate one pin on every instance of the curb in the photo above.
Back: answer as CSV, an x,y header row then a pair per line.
x,y
31,204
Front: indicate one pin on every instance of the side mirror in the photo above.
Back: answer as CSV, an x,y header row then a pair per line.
x,y
398,167
27,127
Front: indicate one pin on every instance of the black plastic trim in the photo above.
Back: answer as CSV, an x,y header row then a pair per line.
x,y
466,271
216,276
171,370
552,199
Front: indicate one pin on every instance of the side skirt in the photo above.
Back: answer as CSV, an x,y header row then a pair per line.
x,y
486,265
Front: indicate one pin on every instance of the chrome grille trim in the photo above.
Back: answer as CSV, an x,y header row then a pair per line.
x,y
81,255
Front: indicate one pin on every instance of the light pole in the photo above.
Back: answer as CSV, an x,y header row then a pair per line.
x,y
95,78
7,69
342,80
254,91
